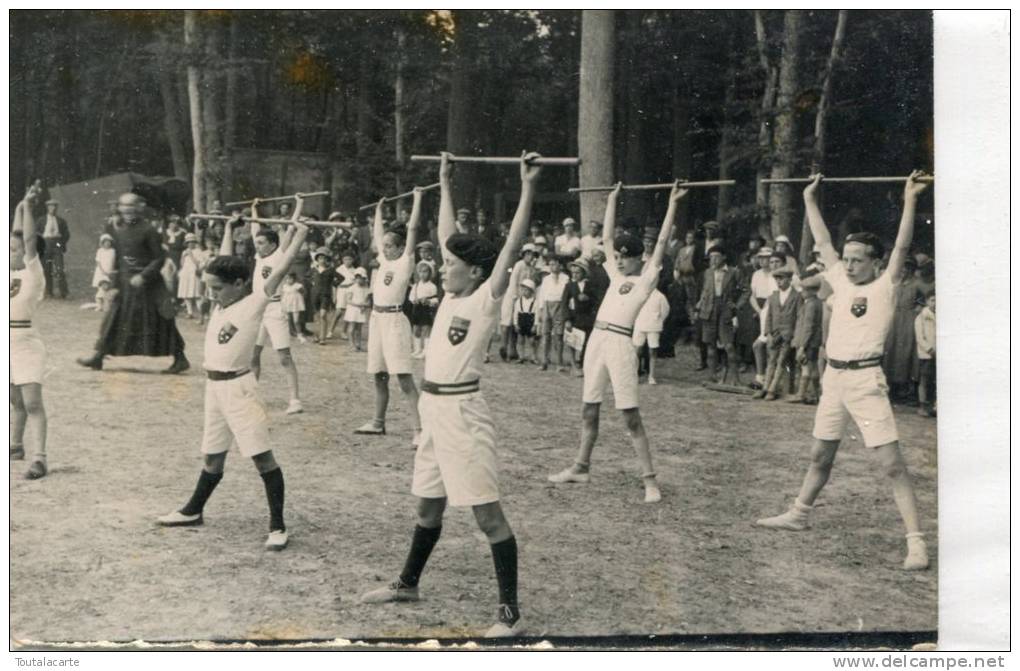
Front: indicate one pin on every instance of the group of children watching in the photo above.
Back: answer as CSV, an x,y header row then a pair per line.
x,y
763,309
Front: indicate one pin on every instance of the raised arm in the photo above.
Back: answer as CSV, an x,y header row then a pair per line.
x,y
256,227
287,236
377,228
819,231
500,278
280,271
905,236
227,243
675,196
447,218
609,224
413,223
28,231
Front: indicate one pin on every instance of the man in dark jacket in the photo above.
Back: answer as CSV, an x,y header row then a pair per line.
x,y
720,290
56,235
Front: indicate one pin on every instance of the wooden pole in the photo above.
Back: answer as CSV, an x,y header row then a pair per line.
x,y
272,222
499,160
294,196
399,196
650,187
928,179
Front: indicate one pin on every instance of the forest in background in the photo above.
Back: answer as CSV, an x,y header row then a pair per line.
x,y
641,96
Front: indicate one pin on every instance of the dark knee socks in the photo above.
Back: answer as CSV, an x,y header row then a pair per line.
x,y
274,493
421,547
203,490
504,557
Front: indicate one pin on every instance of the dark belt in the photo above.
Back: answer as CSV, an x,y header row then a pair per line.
x,y
449,389
276,299
387,308
21,323
614,328
221,375
854,365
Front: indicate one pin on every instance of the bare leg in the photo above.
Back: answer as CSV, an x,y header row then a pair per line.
x,y
256,361
290,370
903,488
35,421
382,397
19,417
823,454
638,437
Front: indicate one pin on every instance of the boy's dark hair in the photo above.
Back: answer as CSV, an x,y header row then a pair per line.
x,y
778,255
473,250
271,236
871,242
228,268
399,234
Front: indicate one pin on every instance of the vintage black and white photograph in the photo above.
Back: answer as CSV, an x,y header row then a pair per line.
x,y
572,327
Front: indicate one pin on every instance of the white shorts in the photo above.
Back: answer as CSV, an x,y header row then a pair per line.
x,y
234,412
506,310
861,395
275,328
611,358
28,357
389,343
456,457
651,337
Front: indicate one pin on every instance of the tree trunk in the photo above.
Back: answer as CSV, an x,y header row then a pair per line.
x,y
230,102
462,120
807,241
192,40
682,145
398,106
595,108
211,116
781,198
765,116
634,100
171,113
726,139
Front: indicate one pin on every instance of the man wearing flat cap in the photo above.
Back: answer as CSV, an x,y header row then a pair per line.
x,y
720,290
55,235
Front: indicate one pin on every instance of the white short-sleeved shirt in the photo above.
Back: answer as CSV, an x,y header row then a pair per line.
x,y
653,313
230,336
28,288
423,290
861,315
460,332
626,294
763,284
264,267
589,244
565,246
390,279
552,288
347,275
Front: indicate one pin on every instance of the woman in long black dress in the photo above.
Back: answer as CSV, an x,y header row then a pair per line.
x,y
141,319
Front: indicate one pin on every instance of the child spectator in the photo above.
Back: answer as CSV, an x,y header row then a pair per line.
x,y
552,313
581,307
359,302
524,321
211,245
648,327
780,323
106,255
293,304
807,339
322,294
424,300
345,272
924,331
189,279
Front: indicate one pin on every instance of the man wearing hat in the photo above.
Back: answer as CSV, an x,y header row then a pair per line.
x,y
785,247
463,224
139,322
780,321
582,304
762,286
713,237
853,386
591,240
456,461
55,234
717,310
568,245
610,357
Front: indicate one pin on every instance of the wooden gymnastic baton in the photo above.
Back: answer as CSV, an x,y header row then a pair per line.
x,y
927,179
272,222
650,187
399,196
274,199
501,160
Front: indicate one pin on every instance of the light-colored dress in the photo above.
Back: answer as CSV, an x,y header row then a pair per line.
x,y
292,298
105,259
189,279
358,305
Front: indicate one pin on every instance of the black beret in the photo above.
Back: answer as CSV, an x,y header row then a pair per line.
x,y
473,250
628,244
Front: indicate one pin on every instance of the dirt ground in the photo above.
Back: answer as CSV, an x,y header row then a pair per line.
x,y
87,562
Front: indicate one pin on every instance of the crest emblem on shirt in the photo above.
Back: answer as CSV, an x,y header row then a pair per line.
x,y
458,330
388,277
226,333
626,287
15,286
859,307
266,272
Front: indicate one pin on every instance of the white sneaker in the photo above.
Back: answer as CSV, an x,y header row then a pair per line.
x,y
794,519
302,339
277,540
294,407
651,380
503,628
917,553
179,519
652,494
395,591
569,475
